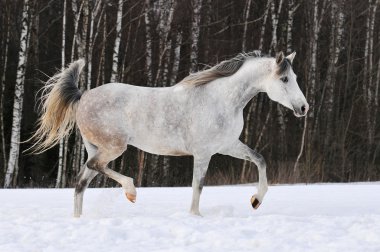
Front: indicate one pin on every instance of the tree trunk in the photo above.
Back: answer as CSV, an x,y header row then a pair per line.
x,y
369,87
292,8
316,21
149,46
176,60
77,14
275,15
116,48
246,17
195,30
164,27
62,149
18,99
5,63
337,18
262,32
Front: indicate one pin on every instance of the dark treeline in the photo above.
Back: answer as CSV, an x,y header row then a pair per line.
x,y
157,43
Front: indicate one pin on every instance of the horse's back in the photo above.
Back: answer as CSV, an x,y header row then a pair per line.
x,y
122,113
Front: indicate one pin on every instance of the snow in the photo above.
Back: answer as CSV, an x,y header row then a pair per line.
x,y
318,217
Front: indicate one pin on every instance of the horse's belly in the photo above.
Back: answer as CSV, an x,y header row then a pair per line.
x,y
161,149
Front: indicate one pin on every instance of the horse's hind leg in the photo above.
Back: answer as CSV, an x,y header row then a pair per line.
x,y
99,163
84,179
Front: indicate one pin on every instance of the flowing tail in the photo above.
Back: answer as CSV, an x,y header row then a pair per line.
x,y
59,102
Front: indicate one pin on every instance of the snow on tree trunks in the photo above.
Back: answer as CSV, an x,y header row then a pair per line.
x,y
18,99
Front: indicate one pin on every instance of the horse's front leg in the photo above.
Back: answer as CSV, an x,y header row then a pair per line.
x,y
199,173
242,151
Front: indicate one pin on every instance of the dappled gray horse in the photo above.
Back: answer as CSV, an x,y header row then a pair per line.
x,y
200,116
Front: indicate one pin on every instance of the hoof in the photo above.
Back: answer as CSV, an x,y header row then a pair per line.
x,y
255,202
131,197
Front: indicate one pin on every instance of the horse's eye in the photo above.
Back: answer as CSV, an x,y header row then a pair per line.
x,y
284,79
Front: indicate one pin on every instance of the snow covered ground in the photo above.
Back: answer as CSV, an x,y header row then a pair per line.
x,y
321,217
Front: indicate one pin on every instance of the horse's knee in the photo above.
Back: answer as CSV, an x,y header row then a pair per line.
x,y
259,160
94,165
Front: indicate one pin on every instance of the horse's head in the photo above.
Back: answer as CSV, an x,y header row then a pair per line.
x,y
283,88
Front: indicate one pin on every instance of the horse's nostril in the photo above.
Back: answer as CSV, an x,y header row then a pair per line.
x,y
303,109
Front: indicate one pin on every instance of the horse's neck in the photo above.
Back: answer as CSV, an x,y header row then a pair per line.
x,y
246,83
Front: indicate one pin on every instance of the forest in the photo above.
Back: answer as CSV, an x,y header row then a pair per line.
x,y
157,43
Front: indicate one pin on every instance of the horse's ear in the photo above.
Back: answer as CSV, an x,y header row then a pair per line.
x,y
291,56
279,58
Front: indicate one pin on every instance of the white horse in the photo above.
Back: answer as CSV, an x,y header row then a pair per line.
x,y
200,116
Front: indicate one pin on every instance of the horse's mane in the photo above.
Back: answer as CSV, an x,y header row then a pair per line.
x,y
223,69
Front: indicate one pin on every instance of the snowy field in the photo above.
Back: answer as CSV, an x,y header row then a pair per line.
x,y
322,217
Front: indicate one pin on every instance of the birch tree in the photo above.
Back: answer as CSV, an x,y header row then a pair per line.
x,y
246,17
18,99
275,13
316,17
148,39
5,63
369,87
292,8
262,31
116,48
195,31
62,148
337,21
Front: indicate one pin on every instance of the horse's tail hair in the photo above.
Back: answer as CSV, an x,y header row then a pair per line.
x,y
58,105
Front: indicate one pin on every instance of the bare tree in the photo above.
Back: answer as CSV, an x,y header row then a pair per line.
x,y
246,17
116,48
5,63
195,31
18,99
62,149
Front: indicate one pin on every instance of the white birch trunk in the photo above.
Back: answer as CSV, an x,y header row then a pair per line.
x,y
368,80
90,49
275,14
177,54
316,20
5,61
77,14
61,142
166,18
195,30
292,8
18,99
336,31
246,17
149,49
116,48
262,32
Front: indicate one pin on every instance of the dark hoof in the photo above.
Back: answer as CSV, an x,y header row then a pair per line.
x,y
255,202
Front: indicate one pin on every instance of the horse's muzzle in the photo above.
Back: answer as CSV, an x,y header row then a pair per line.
x,y
301,111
